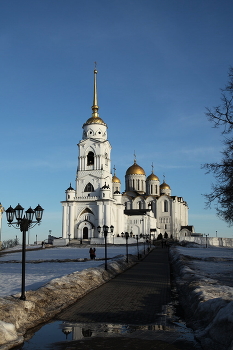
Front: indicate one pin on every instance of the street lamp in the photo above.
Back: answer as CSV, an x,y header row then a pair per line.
x,y
105,230
113,238
206,235
126,241
144,244
24,223
137,246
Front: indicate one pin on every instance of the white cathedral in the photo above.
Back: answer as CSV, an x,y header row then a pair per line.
x,y
146,208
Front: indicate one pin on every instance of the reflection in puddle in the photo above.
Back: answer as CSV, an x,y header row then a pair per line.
x,y
168,328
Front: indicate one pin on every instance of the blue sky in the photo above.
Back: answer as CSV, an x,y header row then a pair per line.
x,y
160,64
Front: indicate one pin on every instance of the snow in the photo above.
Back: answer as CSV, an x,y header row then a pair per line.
x,y
204,278
7,332
212,263
39,272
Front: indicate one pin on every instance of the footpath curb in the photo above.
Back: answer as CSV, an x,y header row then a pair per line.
x,y
17,316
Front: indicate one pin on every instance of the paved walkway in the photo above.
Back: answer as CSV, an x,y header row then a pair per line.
x,y
134,297
131,311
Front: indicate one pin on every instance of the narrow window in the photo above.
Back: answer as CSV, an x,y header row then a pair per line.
x,y
166,206
90,158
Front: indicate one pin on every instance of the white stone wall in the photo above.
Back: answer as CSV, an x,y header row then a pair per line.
x,y
213,241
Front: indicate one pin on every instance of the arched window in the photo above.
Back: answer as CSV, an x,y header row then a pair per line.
x,y
166,206
89,188
139,205
85,233
138,185
90,158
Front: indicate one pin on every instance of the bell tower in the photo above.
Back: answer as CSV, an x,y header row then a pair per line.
x,y
94,161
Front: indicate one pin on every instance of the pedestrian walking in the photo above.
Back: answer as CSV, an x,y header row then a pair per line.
x,y
92,253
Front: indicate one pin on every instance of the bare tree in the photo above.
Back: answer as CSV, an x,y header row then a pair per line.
x,y
222,190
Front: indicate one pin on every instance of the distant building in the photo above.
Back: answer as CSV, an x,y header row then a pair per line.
x,y
145,208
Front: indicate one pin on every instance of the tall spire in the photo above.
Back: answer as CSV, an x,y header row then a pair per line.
x,y
95,102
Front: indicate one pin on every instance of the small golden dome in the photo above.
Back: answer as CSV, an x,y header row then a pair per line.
x,y
95,120
135,169
165,186
115,179
152,177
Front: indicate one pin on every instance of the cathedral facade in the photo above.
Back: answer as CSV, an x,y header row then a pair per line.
x,y
145,208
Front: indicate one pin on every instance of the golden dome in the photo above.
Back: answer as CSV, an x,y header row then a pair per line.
x,y
165,186
135,169
152,177
95,120
115,179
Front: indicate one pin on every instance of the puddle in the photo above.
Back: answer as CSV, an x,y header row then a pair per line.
x,y
169,330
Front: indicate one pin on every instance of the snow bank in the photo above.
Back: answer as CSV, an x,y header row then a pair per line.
x,y
204,297
41,305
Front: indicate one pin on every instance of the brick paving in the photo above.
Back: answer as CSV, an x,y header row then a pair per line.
x,y
128,312
133,297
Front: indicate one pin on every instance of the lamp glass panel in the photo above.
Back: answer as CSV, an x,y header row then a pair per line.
x,y
10,212
38,212
29,214
19,212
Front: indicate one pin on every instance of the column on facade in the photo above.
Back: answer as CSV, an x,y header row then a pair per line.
x,y
64,221
107,218
71,220
120,222
100,218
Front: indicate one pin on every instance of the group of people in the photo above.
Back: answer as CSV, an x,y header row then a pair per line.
x,y
92,253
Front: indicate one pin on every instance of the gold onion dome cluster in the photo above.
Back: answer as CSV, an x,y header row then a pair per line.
x,y
135,169
115,179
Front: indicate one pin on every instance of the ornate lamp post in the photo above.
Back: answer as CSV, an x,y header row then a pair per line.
x,y
127,252
24,223
206,242
137,246
144,244
105,230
